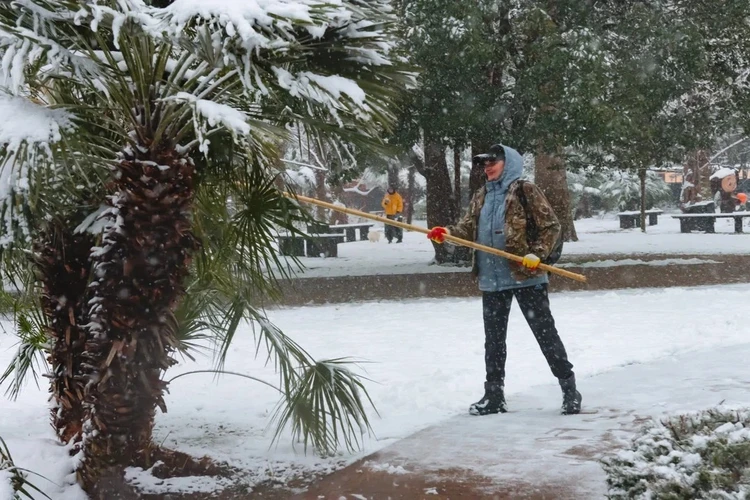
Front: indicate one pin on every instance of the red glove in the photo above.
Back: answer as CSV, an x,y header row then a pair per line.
x,y
437,234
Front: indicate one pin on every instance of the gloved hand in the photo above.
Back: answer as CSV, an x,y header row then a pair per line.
x,y
437,234
531,261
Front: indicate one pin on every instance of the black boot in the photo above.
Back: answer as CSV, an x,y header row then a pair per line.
x,y
571,397
492,402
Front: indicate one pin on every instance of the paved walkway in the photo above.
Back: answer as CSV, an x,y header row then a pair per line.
x,y
533,452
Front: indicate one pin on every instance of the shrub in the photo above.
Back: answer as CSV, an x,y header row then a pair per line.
x,y
702,455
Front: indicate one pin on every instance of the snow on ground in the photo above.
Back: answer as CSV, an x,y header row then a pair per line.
x,y
597,236
425,360
535,446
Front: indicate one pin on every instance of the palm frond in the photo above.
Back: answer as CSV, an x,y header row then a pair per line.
x,y
323,403
325,407
30,356
19,481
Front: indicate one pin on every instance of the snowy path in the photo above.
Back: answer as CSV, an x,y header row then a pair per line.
x,y
425,358
533,445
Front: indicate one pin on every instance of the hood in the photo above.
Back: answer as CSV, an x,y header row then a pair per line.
x,y
513,168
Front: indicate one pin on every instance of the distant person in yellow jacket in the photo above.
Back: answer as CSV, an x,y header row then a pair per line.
x,y
393,205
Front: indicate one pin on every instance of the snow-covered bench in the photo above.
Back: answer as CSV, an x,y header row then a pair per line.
x,y
631,219
310,245
705,222
350,230
323,245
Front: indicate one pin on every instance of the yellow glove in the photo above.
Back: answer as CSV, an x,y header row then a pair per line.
x,y
531,261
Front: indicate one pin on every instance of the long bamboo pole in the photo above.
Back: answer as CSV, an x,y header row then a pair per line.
x,y
448,237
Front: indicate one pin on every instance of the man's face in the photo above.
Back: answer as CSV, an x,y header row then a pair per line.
x,y
494,170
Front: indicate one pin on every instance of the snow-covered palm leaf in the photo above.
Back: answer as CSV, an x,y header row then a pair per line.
x,y
20,304
195,69
325,407
20,485
30,355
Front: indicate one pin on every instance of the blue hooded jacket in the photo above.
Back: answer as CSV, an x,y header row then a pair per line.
x,y
494,271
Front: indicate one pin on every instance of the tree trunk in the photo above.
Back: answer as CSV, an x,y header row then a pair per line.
x,y
550,176
321,193
409,202
696,185
62,265
392,170
583,211
457,177
139,270
642,177
477,178
691,181
440,202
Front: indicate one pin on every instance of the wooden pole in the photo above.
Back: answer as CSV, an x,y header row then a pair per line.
x,y
452,239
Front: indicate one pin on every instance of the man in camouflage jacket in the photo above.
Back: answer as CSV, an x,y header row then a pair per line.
x,y
497,218
515,227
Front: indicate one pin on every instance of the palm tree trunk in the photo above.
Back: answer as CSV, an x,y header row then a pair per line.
x,y
62,265
139,269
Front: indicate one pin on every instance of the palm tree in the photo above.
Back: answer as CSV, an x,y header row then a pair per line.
x,y
155,117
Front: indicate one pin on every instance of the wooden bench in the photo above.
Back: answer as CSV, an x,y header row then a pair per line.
x,y
293,246
705,222
350,230
323,245
310,245
632,219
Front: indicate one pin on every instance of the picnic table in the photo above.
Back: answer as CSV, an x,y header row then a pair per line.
x,y
632,218
350,230
705,222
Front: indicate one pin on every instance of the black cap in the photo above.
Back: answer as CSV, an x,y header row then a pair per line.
x,y
495,153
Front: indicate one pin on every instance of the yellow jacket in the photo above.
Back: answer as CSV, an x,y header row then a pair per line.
x,y
392,204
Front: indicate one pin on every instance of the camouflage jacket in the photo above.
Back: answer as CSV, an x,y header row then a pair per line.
x,y
515,226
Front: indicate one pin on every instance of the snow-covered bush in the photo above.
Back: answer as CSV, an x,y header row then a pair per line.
x,y
622,190
701,455
585,195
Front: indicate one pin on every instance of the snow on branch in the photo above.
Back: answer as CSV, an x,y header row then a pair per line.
x,y
27,122
255,24
241,29
216,115
239,15
325,90
26,132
